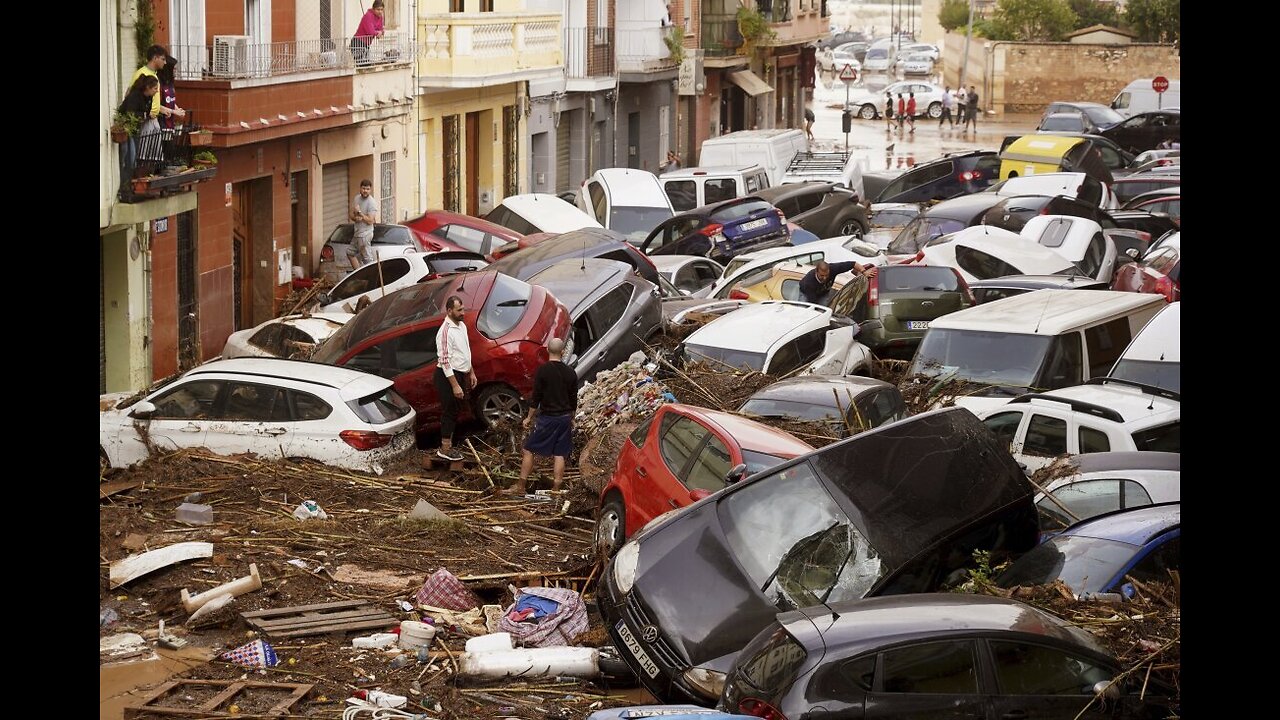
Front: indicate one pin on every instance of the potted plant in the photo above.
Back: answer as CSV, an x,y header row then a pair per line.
x,y
201,138
124,125
204,158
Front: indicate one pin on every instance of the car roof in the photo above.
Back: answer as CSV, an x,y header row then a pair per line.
x,y
1037,282
965,207
1045,312
1137,407
1160,339
447,217
1126,460
1173,190
575,282
1059,183
758,327
552,213
779,192
564,244
690,172
1074,103
749,434
351,384
1009,247
817,389
314,323
1136,526
861,625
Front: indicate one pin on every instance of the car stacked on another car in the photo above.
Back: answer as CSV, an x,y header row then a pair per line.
x,y
904,300
1104,482
282,337
949,176
779,337
375,280
825,209
1158,271
443,230
584,243
848,404
388,241
721,231
1010,285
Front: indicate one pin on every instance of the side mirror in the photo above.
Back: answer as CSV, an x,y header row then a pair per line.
x,y
1132,252
696,495
571,360
143,410
323,298
1108,690
738,472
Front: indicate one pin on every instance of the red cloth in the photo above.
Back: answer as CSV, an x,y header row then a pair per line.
x,y
902,105
443,590
911,106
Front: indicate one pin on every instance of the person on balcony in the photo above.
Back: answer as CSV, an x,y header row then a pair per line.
x,y
370,28
136,102
157,58
168,95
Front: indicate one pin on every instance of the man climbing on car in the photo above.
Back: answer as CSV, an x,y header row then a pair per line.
x,y
815,286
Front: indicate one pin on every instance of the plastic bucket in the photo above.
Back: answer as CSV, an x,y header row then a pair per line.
x,y
414,634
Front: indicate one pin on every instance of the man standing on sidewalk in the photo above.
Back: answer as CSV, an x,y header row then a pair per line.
x,y
971,113
551,410
453,373
364,213
948,100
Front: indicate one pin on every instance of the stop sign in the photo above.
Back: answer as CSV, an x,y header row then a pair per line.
x,y
1160,83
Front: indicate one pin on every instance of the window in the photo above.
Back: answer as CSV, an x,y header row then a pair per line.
x,y
720,190
774,667
981,265
1094,254
1092,441
597,201
1055,233
1089,498
505,306
1106,342
1122,101
255,403
486,5
387,186
786,359
268,338
683,194
367,278
1025,669
1046,436
308,407
640,434
464,237
189,401
680,437
380,407
881,407
398,354
608,310
1064,363
756,182
1159,561
935,668
710,466
1005,426
804,202
457,6
1165,438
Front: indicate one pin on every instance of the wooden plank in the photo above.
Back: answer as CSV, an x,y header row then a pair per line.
x,y
144,708
321,630
228,693
282,708
303,608
106,490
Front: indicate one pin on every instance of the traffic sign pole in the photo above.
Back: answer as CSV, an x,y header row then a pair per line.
x,y
849,76
1159,83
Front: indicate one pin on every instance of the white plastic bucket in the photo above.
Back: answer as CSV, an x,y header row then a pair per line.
x,y
414,634
490,643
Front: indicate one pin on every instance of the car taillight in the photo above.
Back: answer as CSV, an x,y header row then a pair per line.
x,y
970,175
738,294
364,439
781,217
326,253
873,294
761,709
914,258
646,259
964,287
1164,286
711,229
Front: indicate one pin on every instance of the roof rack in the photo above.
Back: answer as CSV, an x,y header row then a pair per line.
x,y
1149,389
1105,413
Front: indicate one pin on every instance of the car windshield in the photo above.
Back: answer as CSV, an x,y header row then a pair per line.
x,y
877,54
917,234
1007,360
504,307
1166,375
909,278
769,407
1103,115
795,543
1086,564
1070,123
737,359
419,302
637,222
381,407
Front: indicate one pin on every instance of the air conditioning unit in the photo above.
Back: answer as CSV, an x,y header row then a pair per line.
x,y
230,55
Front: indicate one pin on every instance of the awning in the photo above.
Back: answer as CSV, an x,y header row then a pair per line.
x,y
750,82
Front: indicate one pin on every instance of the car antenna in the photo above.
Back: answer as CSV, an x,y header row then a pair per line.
x,y
1043,310
584,254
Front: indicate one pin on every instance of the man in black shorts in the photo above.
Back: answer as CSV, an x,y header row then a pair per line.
x,y
554,402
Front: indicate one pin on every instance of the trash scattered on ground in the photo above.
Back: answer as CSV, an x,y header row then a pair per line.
x,y
248,583
320,618
194,514
107,617
122,645
308,510
258,653
210,607
627,392
135,566
426,511
546,662
375,641
544,617
443,590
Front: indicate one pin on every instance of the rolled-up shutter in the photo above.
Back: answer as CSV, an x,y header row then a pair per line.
x,y
337,196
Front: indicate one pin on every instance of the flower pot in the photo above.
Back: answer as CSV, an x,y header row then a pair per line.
x,y
201,138
119,134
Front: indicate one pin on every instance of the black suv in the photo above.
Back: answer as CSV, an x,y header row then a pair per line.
x,y
947,177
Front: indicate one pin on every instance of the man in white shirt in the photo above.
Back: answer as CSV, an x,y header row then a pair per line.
x,y
453,373
962,97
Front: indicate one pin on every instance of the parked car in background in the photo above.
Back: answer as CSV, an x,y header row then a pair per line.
x,y
508,323
868,104
614,311
932,51
1097,115
931,656
688,273
1166,200
1154,357
273,408
539,212
834,59
1102,415
283,336
627,200
1100,554
848,404
1126,188
678,456
946,217
1066,122
824,209
1108,481
889,511
721,231
947,177
915,64
904,299
443,230
841,38
1010,285
877,59
584,243
388,241
1145,131
779,338
1159,271
376,280
1138,96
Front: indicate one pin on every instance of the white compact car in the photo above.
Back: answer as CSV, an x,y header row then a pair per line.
x,y
869,105
272,408
281,336
1079,240
781,337
983,252
377,280
1109,481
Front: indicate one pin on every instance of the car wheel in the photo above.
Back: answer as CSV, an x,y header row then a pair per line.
x,y
935,110
498,404
868,112
851,227
614,668
611,527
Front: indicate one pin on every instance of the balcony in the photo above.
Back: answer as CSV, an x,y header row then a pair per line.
x,y
720,37
589,52
158,164
644,51
464,50
236,59
794,22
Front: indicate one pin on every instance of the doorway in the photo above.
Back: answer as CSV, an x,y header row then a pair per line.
x,y
253,243
732,109
473,164
298,221
189,351
633,140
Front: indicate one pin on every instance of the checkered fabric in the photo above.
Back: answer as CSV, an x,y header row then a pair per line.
x,y
255,654
558,628
443,590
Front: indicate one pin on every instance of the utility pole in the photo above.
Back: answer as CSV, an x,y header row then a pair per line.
x,y
964,63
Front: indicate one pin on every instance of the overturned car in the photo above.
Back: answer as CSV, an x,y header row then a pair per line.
x,y
894,510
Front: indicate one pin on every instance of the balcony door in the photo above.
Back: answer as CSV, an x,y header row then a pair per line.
x,y
186,37
257,25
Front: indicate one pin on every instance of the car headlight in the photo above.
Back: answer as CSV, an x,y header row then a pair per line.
x,y
624,566
707,682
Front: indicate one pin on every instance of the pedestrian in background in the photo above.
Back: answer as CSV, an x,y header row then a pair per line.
x,y
948,101
809,119
551,409
911,111
453,376
902,112
971,111
364,213
961,104
888,112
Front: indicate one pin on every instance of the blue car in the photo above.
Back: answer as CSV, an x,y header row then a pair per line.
x,y
1095,555
720,231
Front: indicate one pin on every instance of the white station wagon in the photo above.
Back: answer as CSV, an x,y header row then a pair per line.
x,y
781,337
270,407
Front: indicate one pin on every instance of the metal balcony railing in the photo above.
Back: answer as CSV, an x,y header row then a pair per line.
x,y
236,57
720,37
162,159
589,52
774,11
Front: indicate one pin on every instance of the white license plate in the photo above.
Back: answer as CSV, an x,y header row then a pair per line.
x,y
650,667
917,324
753,225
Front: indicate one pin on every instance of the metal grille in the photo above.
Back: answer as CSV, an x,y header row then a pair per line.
x,y
511,143
326,26
188,298
562,152
662,651
387,183
102,322
237,277
452,163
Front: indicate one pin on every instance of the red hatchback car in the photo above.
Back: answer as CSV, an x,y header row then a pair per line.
x,y
508,323
444,230
1159,271
682,454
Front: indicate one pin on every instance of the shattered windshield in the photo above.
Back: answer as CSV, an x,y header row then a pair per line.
x,y
795,543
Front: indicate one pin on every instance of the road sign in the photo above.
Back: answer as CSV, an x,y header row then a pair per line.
x,y
848,74
1159,83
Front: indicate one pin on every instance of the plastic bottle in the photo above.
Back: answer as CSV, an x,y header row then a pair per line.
x,y
381,699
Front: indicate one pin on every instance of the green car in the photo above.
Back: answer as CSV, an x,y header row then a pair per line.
x,y
905,299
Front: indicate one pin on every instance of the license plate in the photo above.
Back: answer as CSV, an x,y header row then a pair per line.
x,y
917,324
650,667
753,224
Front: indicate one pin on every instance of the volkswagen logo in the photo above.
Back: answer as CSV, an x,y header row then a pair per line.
x,y
649,633
926,303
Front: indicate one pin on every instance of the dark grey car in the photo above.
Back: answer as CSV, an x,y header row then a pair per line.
x,y
613,310
824,209
578,244
850,404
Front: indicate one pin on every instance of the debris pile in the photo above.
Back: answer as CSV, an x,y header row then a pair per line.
x,y
627,393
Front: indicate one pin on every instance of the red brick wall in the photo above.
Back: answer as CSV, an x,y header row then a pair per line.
x,y
218,105
164,301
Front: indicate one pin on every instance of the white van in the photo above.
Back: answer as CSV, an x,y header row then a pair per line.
x,y
627,200
1155,355
1036,341
689,188
771,149
1138,97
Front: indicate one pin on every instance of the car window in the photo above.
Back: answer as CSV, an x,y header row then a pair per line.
x,y
933,668
1106,342
308,407
709,467
503,215
756,182
597,201
707,273
367,278
1165,438
1159,561
1004,425
1063,363
268,338
1046,436
255,403
683,194
917,234
399,354
610,308
1026,669
804,202
1172,207
739,210
720,189
466,238
1092,440
189,401
878,408
983,265
687,278
450,263
1089,498
680,437
773,668
641,434
893,217
1095,252
1110,157
503,309
1136,121
380,407
786,359
392,235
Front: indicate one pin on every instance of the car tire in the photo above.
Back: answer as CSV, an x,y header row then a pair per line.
x,y
614,668
935,110
611,526
868,112
497,404
851,226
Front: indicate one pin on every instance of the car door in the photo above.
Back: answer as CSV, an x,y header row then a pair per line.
x,y
1007,425
373,281
1082,500
615,340
182,416
1044,438
667,233
661,486
254,417
409,360
311,429
1045,683
927,681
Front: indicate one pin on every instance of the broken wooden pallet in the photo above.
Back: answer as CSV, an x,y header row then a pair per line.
x,y
341,616
217,705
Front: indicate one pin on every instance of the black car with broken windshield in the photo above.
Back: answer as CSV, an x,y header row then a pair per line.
x,y
889,511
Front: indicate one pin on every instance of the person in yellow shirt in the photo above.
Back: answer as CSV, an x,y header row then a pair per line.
x,y
157,56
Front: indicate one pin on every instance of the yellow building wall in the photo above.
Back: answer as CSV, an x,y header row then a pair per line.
x,y
489,101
